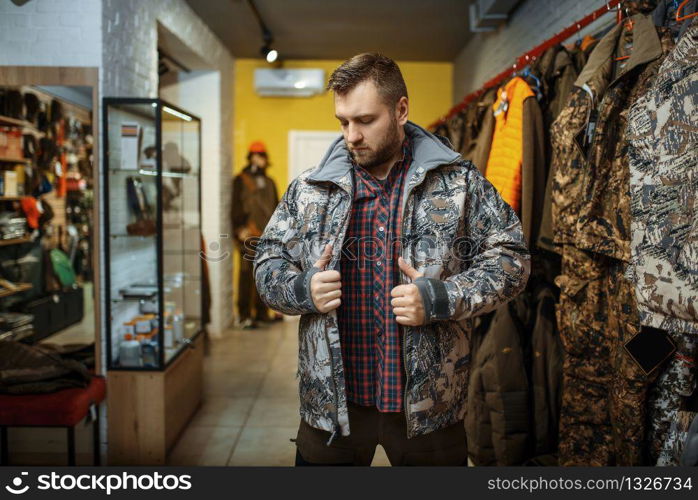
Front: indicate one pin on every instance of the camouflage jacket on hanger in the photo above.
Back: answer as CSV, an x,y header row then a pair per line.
x,y
603,410
663,155
663,133
456,230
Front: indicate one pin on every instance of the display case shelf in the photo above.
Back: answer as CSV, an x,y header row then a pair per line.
x,y
166,200
4,159
16,122
15,241
21,287
27,127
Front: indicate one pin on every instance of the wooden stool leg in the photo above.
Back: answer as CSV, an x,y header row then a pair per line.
x,y
71,445
95,436
4,454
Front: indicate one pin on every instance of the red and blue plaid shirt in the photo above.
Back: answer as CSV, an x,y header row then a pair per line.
x,y
371,339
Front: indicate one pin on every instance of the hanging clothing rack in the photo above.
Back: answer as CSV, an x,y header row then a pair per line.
x,y
531,56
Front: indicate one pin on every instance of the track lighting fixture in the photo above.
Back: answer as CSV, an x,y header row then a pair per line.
x,y
271,55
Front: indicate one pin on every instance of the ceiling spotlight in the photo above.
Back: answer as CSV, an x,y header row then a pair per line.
x,y
268,53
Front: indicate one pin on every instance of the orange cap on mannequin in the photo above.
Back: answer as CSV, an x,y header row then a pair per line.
x,y
258,147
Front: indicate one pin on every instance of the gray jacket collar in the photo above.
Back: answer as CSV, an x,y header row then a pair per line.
x,y
428,152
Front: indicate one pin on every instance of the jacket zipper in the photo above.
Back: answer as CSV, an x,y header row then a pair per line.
x,y
337,427
401,281
585,126
404,328
327,339
595,109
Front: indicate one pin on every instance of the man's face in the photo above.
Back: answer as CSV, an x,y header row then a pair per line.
x,y
258,160
370,126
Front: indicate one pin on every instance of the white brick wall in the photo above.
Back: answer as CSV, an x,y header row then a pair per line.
x,y
130,69
533,22
51,33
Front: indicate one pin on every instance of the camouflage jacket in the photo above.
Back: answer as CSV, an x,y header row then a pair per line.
x,y
455,229
591,200
603,410
663,134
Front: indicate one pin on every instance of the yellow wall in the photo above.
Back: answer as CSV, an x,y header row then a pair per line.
x,y
270,118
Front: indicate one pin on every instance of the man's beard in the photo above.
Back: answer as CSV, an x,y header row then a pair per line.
x,y
385,150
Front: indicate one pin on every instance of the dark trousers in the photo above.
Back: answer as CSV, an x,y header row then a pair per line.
x,y
247,292
369,428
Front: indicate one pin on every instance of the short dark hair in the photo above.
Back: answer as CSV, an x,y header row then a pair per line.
x,y
382,71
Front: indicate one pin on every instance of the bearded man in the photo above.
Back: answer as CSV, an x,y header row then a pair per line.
x,y
388,250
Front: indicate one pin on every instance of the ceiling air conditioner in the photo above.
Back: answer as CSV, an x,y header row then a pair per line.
x,y
289,82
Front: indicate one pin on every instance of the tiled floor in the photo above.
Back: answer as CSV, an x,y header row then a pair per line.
x,y
250,402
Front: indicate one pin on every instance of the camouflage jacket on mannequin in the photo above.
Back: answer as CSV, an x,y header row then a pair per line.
x,y
254,200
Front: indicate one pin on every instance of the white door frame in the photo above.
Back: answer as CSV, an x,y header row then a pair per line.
x,y
297,164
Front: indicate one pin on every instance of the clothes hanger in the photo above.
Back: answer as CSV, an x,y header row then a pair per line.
x,y
629,24
579,36
687,16
536,88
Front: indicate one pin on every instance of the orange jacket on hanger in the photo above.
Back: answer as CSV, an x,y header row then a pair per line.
x,y
504,163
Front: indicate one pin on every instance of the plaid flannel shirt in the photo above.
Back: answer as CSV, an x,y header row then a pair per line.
x,y
371,339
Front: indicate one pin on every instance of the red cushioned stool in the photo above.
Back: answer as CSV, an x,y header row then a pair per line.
x,y
64,408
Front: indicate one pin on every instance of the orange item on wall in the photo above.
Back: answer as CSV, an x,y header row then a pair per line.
x,y
61,182
504,164
11,143
31,211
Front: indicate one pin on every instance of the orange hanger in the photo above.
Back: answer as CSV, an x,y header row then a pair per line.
x,y
678,12
629,22
586,41
628,27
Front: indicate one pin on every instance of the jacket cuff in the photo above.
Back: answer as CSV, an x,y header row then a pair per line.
x,y
435,298
301,288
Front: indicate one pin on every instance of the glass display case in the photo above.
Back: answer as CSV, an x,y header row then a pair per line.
x,y
152,234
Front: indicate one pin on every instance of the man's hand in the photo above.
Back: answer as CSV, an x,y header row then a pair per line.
x,y
407,301
325,286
